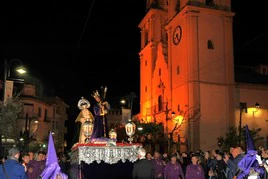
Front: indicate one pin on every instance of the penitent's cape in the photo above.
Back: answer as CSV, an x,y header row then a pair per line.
x,y
52,169
249,165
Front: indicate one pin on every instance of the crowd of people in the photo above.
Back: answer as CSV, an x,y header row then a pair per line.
x,y
214,164
28,165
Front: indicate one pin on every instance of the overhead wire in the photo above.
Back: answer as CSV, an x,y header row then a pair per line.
x,y
85,25
252,40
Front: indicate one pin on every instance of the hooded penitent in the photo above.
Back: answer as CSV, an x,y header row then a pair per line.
x,y
249,165
52,170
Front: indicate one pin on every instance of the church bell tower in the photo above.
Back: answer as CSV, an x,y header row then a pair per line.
x,y
186,64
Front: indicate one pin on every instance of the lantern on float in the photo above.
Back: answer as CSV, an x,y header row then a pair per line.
x,y
112,134
88,129
130,130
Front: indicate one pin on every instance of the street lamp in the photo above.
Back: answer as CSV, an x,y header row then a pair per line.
x,y
243,107
8,93
257,106
128,100
20,69
168,118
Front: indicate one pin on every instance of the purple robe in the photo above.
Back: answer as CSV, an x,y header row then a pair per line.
x,y
100,123
249,162
173,171
194,172
53,171
159,166
31,170
39,167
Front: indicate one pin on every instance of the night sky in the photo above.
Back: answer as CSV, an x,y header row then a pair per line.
x,y
78,46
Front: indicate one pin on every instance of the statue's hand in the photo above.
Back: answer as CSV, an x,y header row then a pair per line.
x,y
82,120
104,103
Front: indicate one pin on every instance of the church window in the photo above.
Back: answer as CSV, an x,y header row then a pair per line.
x,y
210,45
159,72
160,103
146,37
178,6
167,37
178,69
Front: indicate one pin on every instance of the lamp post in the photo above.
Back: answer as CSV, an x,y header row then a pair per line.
x,y
7,65
242,106
21,70
257,107
29,130
129,100
167,119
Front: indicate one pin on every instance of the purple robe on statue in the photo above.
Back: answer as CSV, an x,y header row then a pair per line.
x,y
173,171
159,166
194,172
100,123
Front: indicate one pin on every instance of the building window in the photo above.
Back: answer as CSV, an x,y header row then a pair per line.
x,y
54,112
53,125
264,70
178,69
159,72
145,62
39,112
145,88
210,3
210,45
45,117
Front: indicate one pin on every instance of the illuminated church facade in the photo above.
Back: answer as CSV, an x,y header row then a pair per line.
x,y
187,72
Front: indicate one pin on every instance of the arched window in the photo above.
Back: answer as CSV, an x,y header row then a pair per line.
x,y
160,103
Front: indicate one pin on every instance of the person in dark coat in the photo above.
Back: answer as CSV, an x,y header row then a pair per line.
x,y
186,160
13,169
159,165
221,171
232,163
143,168
64,164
